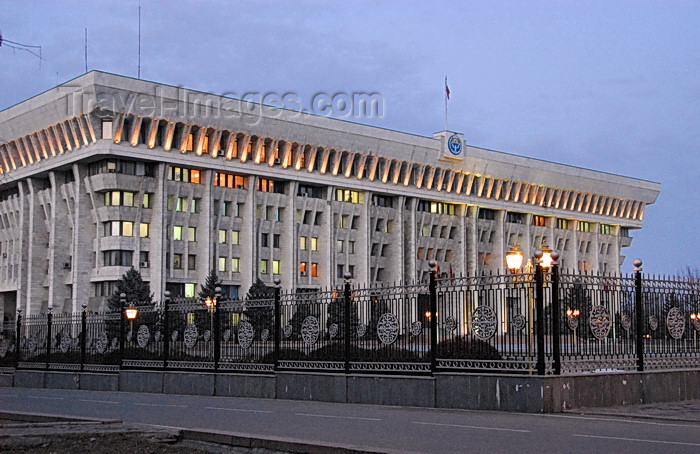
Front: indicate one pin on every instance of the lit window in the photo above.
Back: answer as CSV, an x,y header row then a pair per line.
x,y
177,232
146,202
275,267
425,230
605,229
562,224
263,266
222,236
346,195
189,291
192,233
539,221
314,244
144,228
302,243
344,221
584,226
235,235
177,261
181,204
302,268
314,269
236,265
229,180
222,263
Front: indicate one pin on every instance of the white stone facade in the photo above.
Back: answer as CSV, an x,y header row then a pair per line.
x,y
106,172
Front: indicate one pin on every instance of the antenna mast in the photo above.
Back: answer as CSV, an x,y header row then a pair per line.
x,y
139,70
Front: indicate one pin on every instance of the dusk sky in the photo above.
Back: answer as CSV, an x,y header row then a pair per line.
x,y
607,85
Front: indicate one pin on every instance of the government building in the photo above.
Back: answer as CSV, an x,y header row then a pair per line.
x,y
106,172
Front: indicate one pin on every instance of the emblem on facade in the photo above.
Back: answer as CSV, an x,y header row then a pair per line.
x,y
675,323
599,321
245,334
484,322
143,335
309,330
388,328
454,144
190,335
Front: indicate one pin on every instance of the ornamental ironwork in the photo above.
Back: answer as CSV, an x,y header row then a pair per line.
x,y
33,344
227,335
129,336
265,335
519,322
65,343
675,323
115,342
287,330
3,348
190,335
450,323
626,322
388,328
101,343
484,322
88,342
572,322
245,334
599,322
174,335
696,324
333,330
207,336
143,335
157,336
416,328
310,330
653,322
361,330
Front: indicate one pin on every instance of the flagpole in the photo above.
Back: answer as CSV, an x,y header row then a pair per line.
x,y
446,91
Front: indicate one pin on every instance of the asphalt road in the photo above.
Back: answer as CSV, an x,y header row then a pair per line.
x,y
393,429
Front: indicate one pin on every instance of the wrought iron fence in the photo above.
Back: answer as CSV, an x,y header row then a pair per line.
x,y
546,322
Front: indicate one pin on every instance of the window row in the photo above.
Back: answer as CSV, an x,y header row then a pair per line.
x,y
127,199
125,228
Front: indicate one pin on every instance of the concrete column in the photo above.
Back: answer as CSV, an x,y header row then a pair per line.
x,y
410,239
248,238
159,225
498,263
82,242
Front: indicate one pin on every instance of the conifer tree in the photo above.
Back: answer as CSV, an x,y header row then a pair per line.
x,y
137,291
212,281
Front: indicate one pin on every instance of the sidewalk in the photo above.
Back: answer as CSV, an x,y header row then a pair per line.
x,y
688,410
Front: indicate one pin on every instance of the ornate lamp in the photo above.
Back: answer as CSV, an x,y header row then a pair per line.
x,y
514,259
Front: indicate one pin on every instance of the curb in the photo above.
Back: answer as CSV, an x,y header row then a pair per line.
x,y
292,445
47,417
636,416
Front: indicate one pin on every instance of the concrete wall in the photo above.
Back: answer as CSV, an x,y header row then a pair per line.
x,y
521,393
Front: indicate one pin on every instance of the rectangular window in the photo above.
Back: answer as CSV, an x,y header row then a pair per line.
x,y
314,244
222,236
314,269
191,262
144,230
351,270
189,291
584,226
229,180
346,195
302,243
275,267
146,201
177,232
107,128
264,239
276,240
194,206
192,233
624,232
263,266
351,247
235,237
339,269
302,268
170,203
539,221
605,229
270,213
184,175
119,198
486,214
339,245
344,221
222,263
562,224
236,265
177,261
